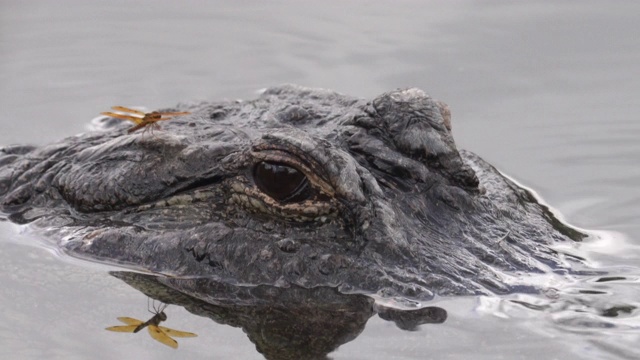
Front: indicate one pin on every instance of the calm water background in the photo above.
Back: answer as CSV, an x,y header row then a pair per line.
x,y
546,91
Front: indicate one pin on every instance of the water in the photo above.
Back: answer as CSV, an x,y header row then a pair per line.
x,y
546,91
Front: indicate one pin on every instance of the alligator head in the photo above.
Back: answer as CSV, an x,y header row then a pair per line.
x,y
299,186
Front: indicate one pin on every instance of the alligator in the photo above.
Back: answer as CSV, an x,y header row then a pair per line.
x,y
298,187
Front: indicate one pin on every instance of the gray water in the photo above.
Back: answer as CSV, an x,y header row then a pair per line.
x,y
545,91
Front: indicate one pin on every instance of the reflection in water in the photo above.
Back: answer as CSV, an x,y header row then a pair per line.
x,y
410,319
600,302
159,333
283,323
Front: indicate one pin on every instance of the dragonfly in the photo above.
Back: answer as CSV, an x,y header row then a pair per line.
x,y
140,118
160,333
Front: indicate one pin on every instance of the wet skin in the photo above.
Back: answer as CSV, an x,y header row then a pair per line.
x,y
299,186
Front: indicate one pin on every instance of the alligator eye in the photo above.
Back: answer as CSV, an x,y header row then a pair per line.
x,y
281,182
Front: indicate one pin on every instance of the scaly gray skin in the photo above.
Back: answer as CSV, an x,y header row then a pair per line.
x,y
391,206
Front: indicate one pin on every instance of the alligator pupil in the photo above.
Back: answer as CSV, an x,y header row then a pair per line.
x,y
281,182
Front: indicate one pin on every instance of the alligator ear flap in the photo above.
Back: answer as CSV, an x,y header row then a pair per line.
x,y
420,128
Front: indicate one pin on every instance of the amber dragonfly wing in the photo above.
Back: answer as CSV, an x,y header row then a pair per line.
x,y
136,120
132,324
160,336
128,110
177,333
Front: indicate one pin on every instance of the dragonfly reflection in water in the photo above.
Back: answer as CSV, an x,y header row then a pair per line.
x,y
282,322
159,333
142,119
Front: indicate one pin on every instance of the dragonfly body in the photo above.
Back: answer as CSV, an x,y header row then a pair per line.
x,y
154,321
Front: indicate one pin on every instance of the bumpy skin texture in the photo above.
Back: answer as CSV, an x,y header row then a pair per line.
x,y
393,207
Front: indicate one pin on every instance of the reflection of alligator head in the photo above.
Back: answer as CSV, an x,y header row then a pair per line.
x,y
298,187
283,323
